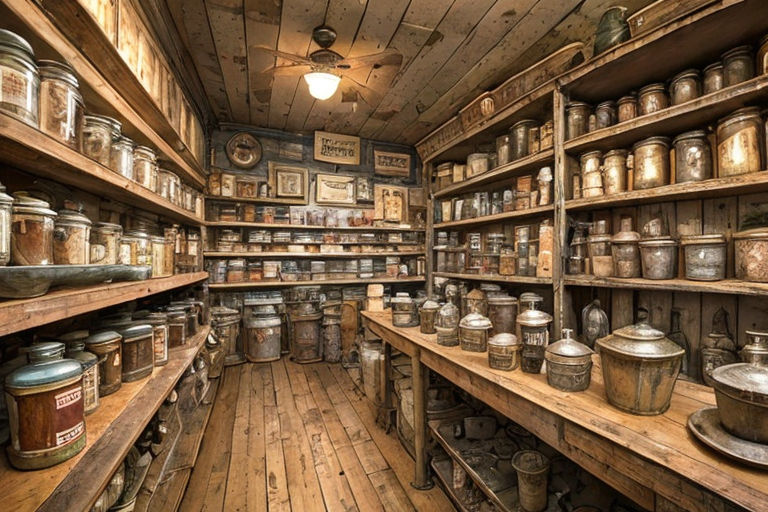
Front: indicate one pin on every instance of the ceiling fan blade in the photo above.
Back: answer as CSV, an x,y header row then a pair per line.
x,y
295,70
370,96
385,58
284,55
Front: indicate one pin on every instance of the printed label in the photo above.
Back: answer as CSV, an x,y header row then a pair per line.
x,y
65,436
13,88
68,398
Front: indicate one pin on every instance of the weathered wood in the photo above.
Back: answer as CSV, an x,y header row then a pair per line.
x,y
385,482
496,279
272,284
499,217
262,26
278,497
726,286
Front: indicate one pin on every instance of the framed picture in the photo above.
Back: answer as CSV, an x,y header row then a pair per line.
x,y
335,189
390,203
391,164
288,182
364,189
336,148
416,197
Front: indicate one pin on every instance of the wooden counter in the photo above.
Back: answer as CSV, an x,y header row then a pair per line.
x,y
651,459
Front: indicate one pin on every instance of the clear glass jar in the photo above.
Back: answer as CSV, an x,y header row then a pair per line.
x,y
135,249
71,238
32,231
61,104
145,167
105,243
158,255
159,322
6,203
19,70
121,157
169,186
188,200
98,133
193,248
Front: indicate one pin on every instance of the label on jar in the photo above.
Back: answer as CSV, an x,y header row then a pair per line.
x,y
90,387
740,153
14,88
70,434
67,398
535,337
124,256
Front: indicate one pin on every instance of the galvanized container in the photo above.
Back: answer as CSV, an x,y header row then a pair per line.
x,y
504,351
751,255
704,256
740,142
659,258
713,78
427,315
447,325
693,157
685,86
306,346
262,331
605,114
577,119
569,364
741,392
404,311
226,325
640,367
651,163
533,326
627,108
738,65
756,351
625,251
520,140
652,98
502,312
473,332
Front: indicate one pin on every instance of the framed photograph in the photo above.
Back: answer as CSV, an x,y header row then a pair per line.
x,y
336,148
335,189
391,164
288,182
364,189
390,203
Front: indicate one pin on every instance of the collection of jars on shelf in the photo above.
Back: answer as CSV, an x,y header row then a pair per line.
x,y
654,254
33,234
526,137
481,204
493,254
293,215
59,379
241,270
225,184
46,95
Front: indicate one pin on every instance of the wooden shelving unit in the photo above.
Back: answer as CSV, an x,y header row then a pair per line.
x,y
260,200
302,227
442,469
495,278
729,286
110,432
316,255
275,284
499,217
20,314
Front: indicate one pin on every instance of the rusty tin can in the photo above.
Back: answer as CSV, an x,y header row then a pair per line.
x,y
704,256
306,346
751,255
504,352
569,364
652,98
473,332
693,157
651,163
626,108
685,86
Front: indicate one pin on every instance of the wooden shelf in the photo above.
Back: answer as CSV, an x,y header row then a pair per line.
x,y
224,224
263,200
502,173
672,121
442,469
108,85
110,432
730,286
751,183
20,314
318,255
31,150
280,284
499,217
496,279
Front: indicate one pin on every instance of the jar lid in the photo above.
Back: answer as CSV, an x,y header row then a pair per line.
x,y
664,141
752,234
715,238
534,318
713,66
148,152
693,134
102,338
688,73
738,115
15,41
475,321
401,298
45,350
591,154
531,296
658,242
445,166
124,140
504,339
744,49
106,226
606,104
430,305
616,152
627,99
156,316
477,156
569,347
577,104
69,337
748,382
523,122
655,87
596,239
23,202
135,331
641,340
57,70
137,234
67,216
44,372
502,300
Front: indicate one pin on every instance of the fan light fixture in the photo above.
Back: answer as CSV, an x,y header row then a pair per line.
x,y
322,85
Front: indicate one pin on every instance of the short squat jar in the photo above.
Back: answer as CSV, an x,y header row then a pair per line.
x,y
121,157
18,68
652,98
740,142
32,231
504,352
704,257
61,104
738,65
473,332
651,163
659,258
97,138
686,86
577,120
693,157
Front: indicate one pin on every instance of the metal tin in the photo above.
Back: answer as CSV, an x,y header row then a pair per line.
x,y
615,171
447,325
226,325
475,302
477,163
713,78
473,332
577,119
590,163
262,330
693,157
659,258
741,392
138,352
404,311
61,108
627,108
520,138
600,255
76,350
756,351
704,256
305,334
651,163
740,142
640,367
751,255
761,58
738,65
605,114
45,406
685,86
427,316
652,98
534,332
625,251
569,364
107,347
502,312
504,351
32,228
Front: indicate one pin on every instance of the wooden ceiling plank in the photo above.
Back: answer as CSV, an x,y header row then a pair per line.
x,y
192,19
228,28
262,28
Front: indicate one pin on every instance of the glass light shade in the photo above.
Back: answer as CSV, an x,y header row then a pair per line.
x,y
322,85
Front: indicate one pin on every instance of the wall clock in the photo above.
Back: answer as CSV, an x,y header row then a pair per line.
x,y
244,150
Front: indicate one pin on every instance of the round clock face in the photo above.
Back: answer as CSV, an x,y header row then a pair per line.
x,y
244,150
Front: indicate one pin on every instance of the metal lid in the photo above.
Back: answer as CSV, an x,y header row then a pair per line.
x,y
594,239
627,99
744,49
102,338
137,234
655,87
67,216
752,234
606,104
502,300
688,73
693,134
715,238
476,294
15,41
42,369
531,296
658,242
747,381
23,202
106,226
99,119
430,305
504,339
664,141
45,350
576,104
616,152
533,317
148,152
714,66
475,321
156,317
642,341
591,154
738,115
123,140
401,298
57,70
135,331
569,347
626,236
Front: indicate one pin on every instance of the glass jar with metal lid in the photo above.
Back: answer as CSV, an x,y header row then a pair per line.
x,y
98,133
177,326
121,157
159,322
262,330
504,351
32,227
158,252
169,187
685,86
104,243
704,256
45,405
135,249
473,332
447,325
18,68
569,364
534,334
427,315
145,167
404,313
693,157
71,238
61,104
138,352
640,367
6,204
107,347
740,142
75,342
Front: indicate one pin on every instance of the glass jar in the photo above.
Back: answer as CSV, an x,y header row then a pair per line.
x,y
255,271
713,77
651,163
447,325
693,157
685,86
605,114
740,142
652,98
627,108
97,137
104,243
71,238
177,327
169,186
135,249
6,203
193,248
520,138
507,260
159,322
188,198
158,256
61,105
577,120
502,312
170,250
145,167
138,352
738,65
121,157
32,227
106,346
19,70
76,350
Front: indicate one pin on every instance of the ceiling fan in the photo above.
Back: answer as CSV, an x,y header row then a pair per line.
x,y
324,68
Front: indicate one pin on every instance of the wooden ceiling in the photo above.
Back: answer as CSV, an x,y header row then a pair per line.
x,y
451,51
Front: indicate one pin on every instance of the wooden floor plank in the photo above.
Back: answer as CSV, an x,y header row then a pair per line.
x,y
392,493
256,495
239,479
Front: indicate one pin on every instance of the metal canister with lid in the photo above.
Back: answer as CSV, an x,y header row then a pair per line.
x,y
18,67
713,77
704,256
475,302
625,251
138,352
615,171
569,364
75,343
226,324
652,98
473,332
738,65
404,311
32,228
159,322
262,334
520,143
504,351
502,312
627,108
751,255
332,331
177,327
693,157
98,133
305,333
61,104
534,333
135,249
427,316
651,163
756,350
577,119
685,86
740,142
107,347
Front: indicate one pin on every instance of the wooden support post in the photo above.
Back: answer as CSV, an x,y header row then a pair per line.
x,y
386,409
422,480
559,214
429,234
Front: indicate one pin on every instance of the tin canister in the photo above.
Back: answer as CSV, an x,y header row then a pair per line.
x,y
107,347
705,257
569,364
659,258
627,108
693,157
615,171
504,352
740,142
138,352
713,78
738,65
751,255
306,346
651,163
534,331
577,119
473,332
685,86
652,98
502,312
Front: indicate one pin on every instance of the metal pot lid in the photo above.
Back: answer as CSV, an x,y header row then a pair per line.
x,y
430,305
746,381
641,341
534,318
530,296
101,338
752,234
42,373
475,321
569,347
502,300
71,336
702,239
504,339
577,104
23,202
658,242
67,216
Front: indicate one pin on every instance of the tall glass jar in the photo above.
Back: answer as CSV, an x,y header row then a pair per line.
x,y
61,105
105,243
71,238
135,249
19,70
121,157
97,138
6,203
32,231
169,186
145,167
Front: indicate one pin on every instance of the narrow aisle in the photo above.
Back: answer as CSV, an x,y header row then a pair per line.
x,y
284,436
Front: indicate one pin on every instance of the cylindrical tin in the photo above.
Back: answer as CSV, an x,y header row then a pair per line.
x,y
626,253
332,337
262,335
504,352
738,65
652,98
569,364
605,114
693,157
76,350
751,255
532,468
503,150
177,327
138,352
159,322
502,312
447,325
533,326
615,171
713,77
685,86
404,311
651,163
226,325
740,142
427,316
705,257
741,394
473,332
520,138
32,228
107,347
659,258
306,346
577,119
761,59
627,108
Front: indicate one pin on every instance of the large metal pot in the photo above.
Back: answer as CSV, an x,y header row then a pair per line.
x,y
305,334
741,391
640,367
262,335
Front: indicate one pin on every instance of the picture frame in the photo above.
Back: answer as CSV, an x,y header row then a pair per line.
x,y
364,189
386,163
335,189
390,203
417,198
337,148
288,182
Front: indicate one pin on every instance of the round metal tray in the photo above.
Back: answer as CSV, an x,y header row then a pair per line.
x,y
705,425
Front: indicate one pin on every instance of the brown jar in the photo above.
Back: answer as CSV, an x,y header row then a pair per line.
x,y
104,243
177,327
71,238
652,98
605,114
159,322
651,163
61,105
739,142
138,352
627,108
713,77
502,312
520,139
577,119
615,171
76,350
31,231
738,65
686,86
107,347
693,157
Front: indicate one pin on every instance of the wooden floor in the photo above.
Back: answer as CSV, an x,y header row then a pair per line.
x,y
284,436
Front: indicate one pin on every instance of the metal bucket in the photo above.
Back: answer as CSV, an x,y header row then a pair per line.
x,y
304,325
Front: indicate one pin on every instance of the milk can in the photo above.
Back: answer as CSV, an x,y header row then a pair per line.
x,y
502,312
138,352
107,347
504,352
534,332
45,405
262,334
304,324
569,364
75,342
404,313
473,332
447,325
427,315
226,324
